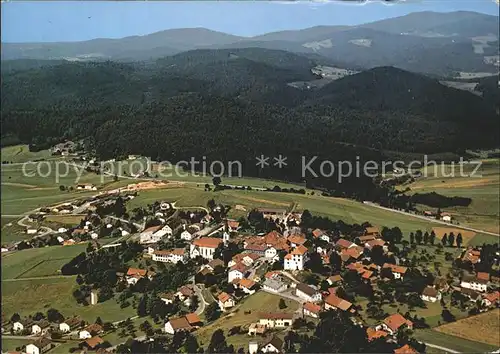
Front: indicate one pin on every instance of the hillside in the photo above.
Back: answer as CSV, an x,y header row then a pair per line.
x,y
424,42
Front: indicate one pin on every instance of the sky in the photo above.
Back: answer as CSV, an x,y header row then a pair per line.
x,y
58,21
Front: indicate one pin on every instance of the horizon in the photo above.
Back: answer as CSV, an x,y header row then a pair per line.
x,y
49,24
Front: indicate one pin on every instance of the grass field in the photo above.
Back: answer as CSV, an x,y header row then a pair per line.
x,y
484,211
335,208
486,328
256,303
9,344
456,343
11,231
29,296
21,153
37,262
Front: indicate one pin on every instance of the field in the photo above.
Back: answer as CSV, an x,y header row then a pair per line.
x,y
10,344
29,296
462,345
484,211
21,153
11,231
256,303
336,208
37,262
486,328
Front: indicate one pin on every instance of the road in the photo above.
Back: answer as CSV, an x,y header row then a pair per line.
x,y
38,278
430,219
441,348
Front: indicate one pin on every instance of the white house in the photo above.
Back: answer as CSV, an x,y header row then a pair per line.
x,y
204,247
62,230
276,320
431,294
40,346
186,235
311,309
474,283
155,233
225,301
177,324
274,286
296,259
270,252
237,271
307,293
394,323
170,256
19,326
40,327
69,324
90,331
31,231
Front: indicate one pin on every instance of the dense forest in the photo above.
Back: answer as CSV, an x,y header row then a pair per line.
x,y
235,105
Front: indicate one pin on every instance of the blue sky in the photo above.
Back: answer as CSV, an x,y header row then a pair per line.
x,y
41,21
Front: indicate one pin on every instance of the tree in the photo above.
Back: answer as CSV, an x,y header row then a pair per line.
x,y
412,238
99,321
444,240
432,237
54,315
62,188
146,328
397,234
426,238
142,306
459,240
211,204
447,315
191,344
207,187
216,180
15,318
212,312
218,343
418,236
282,304
335,262
451,239
38,316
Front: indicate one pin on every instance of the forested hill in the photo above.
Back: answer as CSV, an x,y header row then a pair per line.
x,y
236,103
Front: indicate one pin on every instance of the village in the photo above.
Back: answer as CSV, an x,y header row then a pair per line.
x,y
354,271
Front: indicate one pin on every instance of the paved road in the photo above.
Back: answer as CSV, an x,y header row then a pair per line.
x,y
430,219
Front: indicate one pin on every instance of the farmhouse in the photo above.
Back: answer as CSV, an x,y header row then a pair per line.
x,y
225,301
204,247
92,343
394,323
170,256
40,346
307,293
296,259
272,213
397,271
431,294
21,325
184,294
311,309
344,244
372,231
155,234
296,240
214,263
375,334
474,283
238,271
134,275
276,320
40,327
248,286
70,324
320,234
90,331
333,302
274,286
256,328
175,325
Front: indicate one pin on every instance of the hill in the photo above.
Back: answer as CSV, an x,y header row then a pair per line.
x,y
425,42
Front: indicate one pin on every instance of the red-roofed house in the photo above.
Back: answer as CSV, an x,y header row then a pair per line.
x,y
334,302
394,323
311,309
491,299
225,301
238,271
204,247
296,259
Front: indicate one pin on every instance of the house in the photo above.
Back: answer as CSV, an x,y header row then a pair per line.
x,y
256,328
232,225
441,284
272,214
187,235
372,231
296,259
177,324
89,187
320,234
274,345
307,293
194,320
154,234
333,302
21,325
250,258
274,286
92,343
344,244
296,240
238,271
40,346
446,217
351,254
204,247
170,256
334,279
311,309
405,349
90,331
214,263
70,324
31,231
373,334
474,283
471,294
472,255
394,323
276,320
40,328
248,286
184,294
225,301
491,299
431,294
397,271
134,275
376,242
167,298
